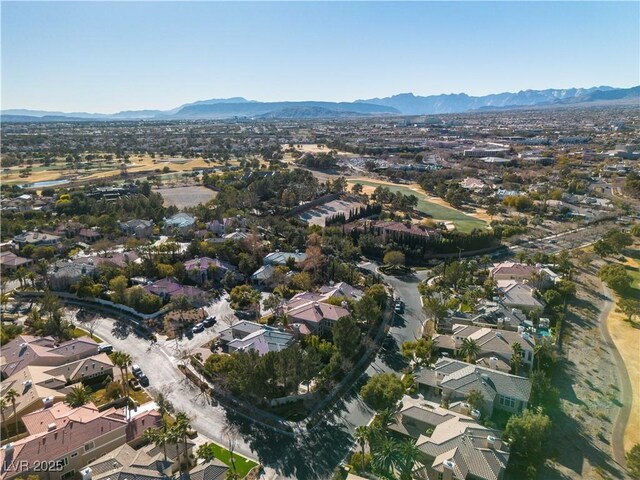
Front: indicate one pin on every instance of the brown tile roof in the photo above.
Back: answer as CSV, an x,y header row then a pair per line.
x,y
315,312
74,427
27,350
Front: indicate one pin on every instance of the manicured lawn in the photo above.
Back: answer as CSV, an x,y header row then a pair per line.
x,y
464,223
79,332
243,465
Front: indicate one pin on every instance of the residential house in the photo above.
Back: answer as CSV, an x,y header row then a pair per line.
x,y
496,346
514,294
89,235
116,259
452,446
137,228
474,184
148,463
309,312
44,385
37,239
513,271
64,273
340,290
25,350
403,229
216,227
181,222
263,275
202,269
71,438
168,288
490,314
246,335
313,317
454,379
283,258
237,235
10,262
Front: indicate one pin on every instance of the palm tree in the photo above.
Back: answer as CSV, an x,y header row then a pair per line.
x,y
408,454
181,428
3,406
159,438
42,268
78,396
12,396
384,418
469,350
516,357
385,456
21,273
361,434
32,278
123,360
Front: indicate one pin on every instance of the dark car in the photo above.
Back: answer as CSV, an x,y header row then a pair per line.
x,y
143,380
399,307
209,321
25,308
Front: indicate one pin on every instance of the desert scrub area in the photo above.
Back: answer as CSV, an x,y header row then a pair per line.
x,y
589,390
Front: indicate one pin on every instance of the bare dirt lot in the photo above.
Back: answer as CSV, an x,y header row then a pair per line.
x,y
183,197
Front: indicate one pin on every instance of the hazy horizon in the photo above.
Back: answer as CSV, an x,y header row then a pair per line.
x,y
110,57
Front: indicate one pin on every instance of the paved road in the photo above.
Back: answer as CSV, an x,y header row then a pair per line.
x,y
620,424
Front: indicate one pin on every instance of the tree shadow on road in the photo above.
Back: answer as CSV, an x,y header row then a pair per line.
x,y
310,455
121,329
390,355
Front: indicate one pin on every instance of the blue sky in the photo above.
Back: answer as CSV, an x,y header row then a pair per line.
x,y
106,57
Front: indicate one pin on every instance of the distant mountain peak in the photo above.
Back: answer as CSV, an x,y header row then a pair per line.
x,y
400,104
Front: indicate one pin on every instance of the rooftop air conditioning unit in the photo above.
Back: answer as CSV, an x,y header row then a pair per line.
x,y
449,464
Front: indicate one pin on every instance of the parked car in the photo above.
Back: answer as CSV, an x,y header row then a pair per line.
x,y
136,370
143,380
25,308
197,328
209,321
105,348
399,306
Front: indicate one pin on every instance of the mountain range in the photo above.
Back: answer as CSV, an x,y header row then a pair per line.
x,y
396,105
